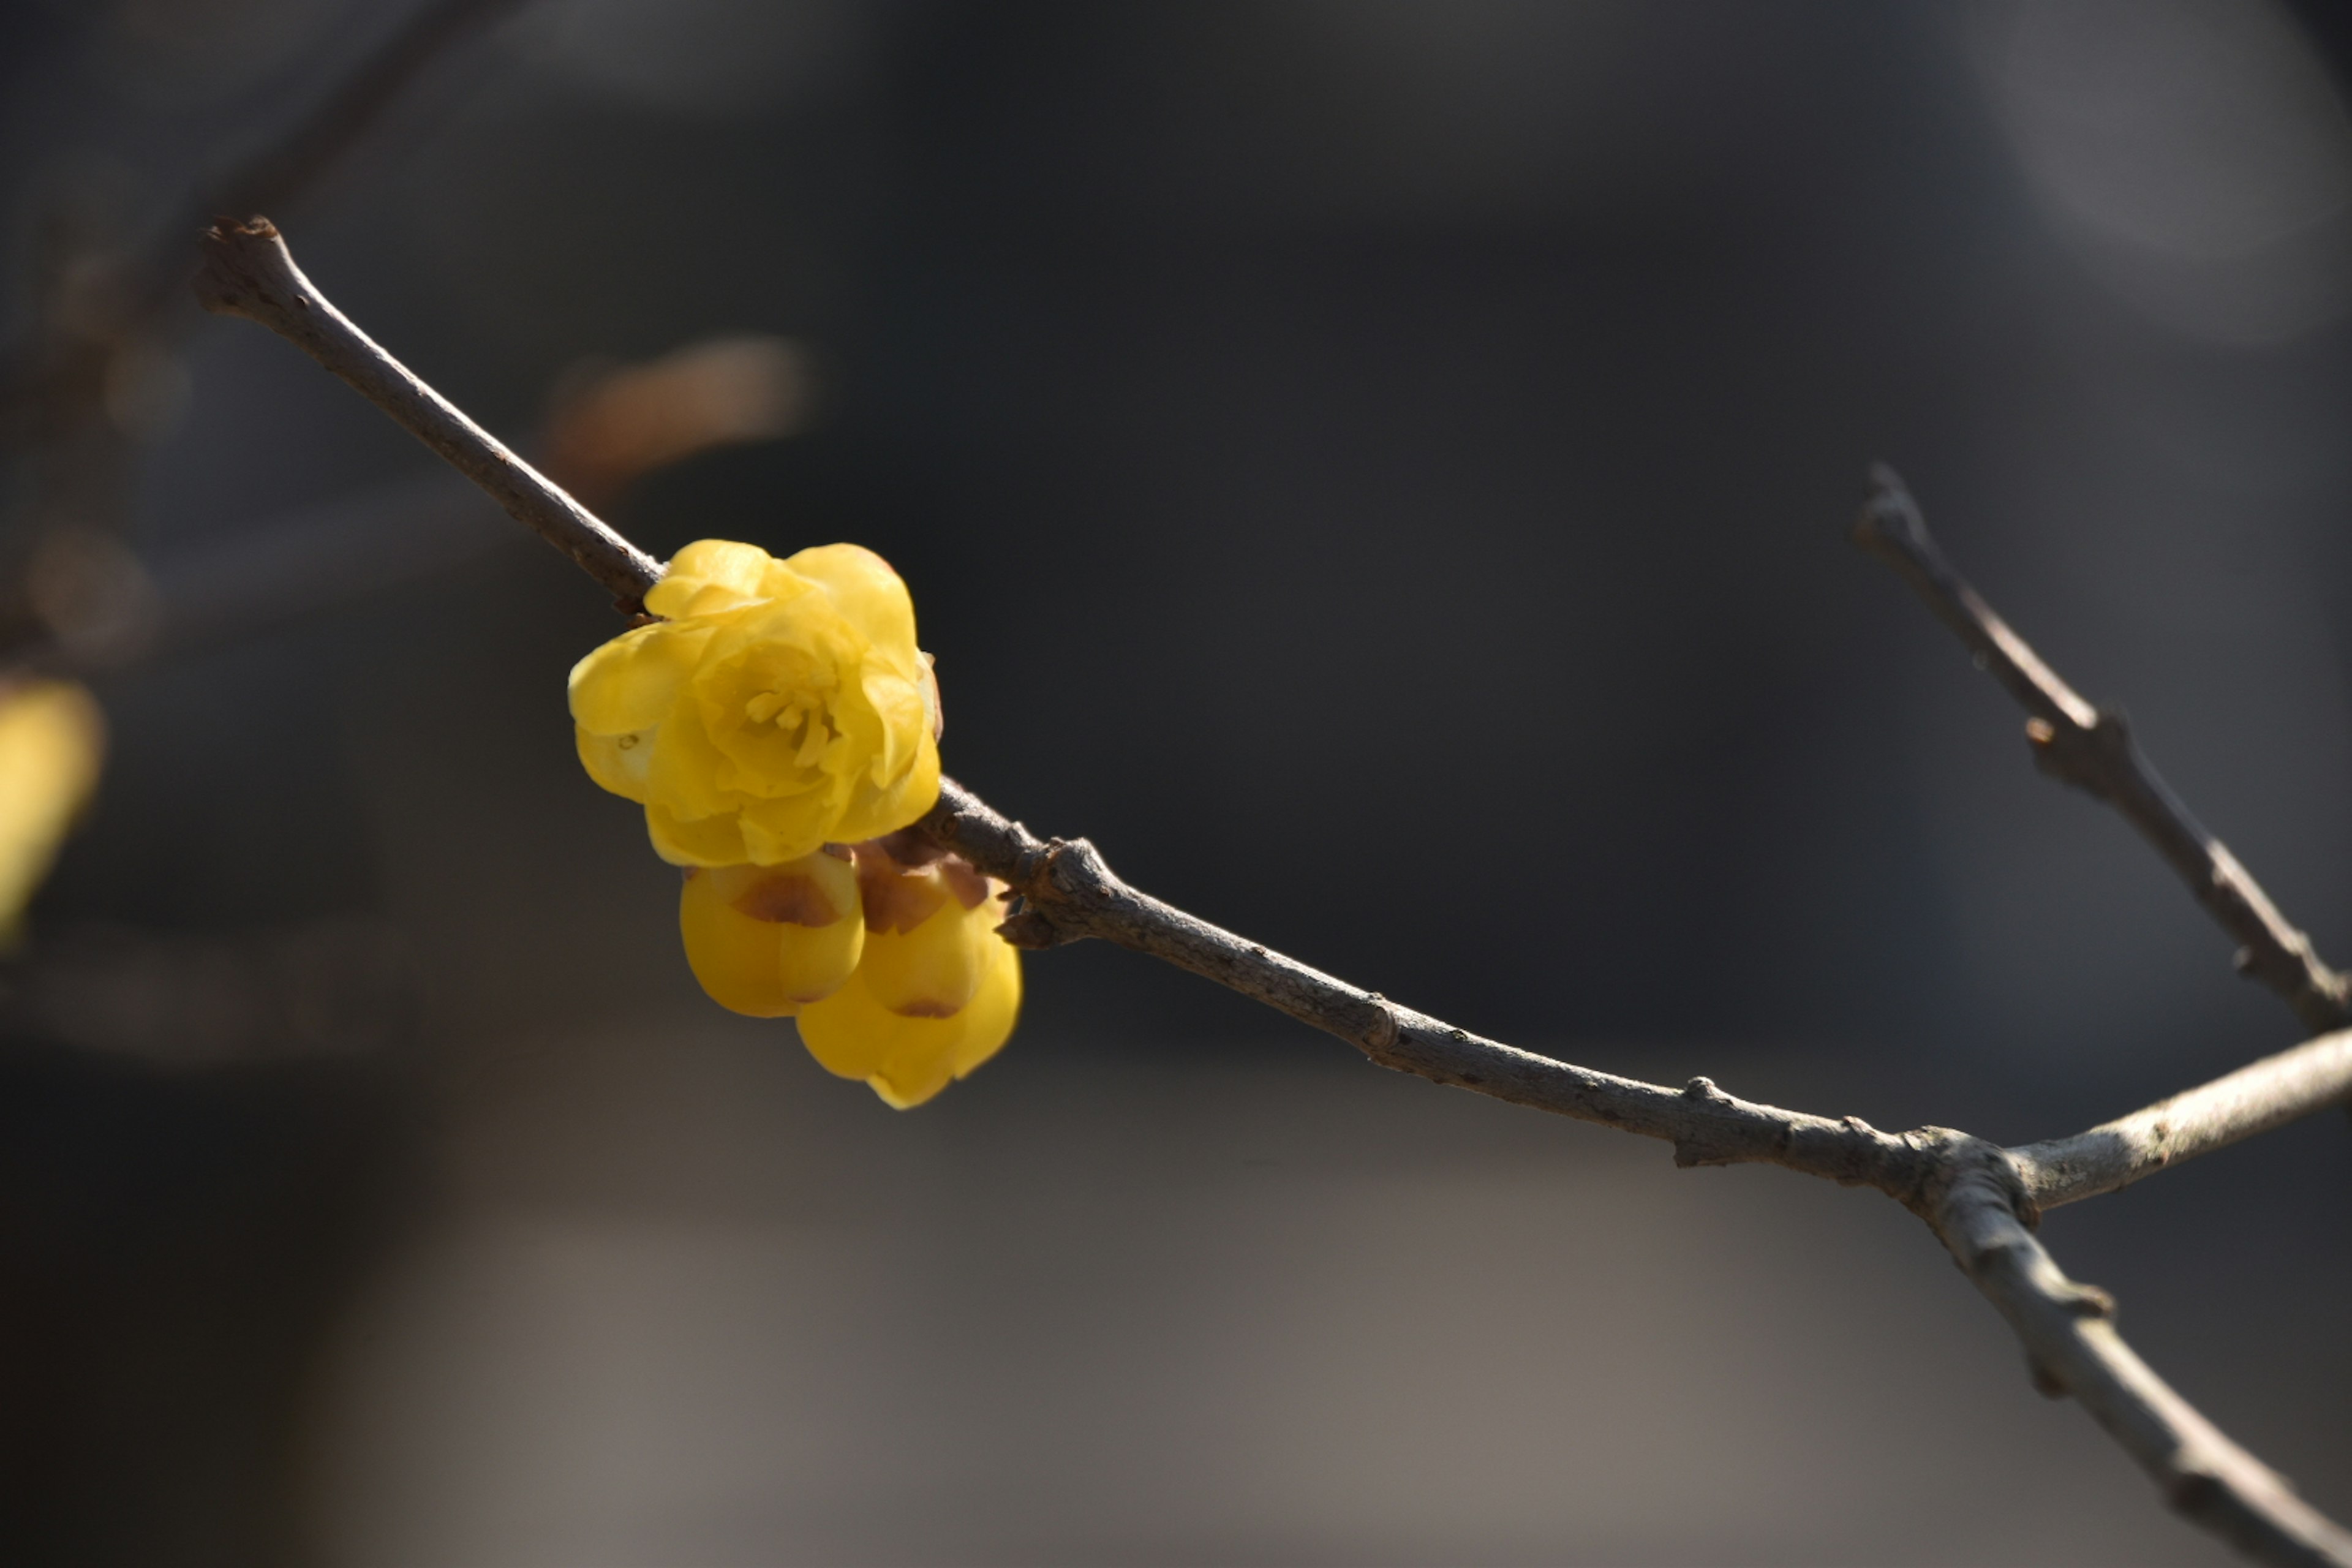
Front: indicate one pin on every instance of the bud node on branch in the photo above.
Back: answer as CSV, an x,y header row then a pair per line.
x,y
1981,1200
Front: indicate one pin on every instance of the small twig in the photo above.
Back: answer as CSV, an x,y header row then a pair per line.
x,y
2256,1097
2092,748
248,272
1970,1193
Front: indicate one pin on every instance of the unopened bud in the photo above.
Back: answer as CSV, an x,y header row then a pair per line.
x,y
766,940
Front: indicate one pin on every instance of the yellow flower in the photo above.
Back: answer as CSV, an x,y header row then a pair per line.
x,y
937,990
52,740
927,931
764,940
782,705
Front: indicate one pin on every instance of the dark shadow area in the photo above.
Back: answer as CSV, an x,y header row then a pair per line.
x,y
1382,471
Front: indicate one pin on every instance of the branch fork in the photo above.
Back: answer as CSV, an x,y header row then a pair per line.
x,y
1981,1200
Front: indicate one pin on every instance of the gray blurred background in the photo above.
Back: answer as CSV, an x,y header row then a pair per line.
x,y
1380,468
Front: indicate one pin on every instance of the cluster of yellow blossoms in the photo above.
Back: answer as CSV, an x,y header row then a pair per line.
x,y
780,726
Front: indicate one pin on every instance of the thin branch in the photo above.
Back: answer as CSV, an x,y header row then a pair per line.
x,y
1969,1191
1068,894
2257,1097
606,429
2092,748
248,272
2071,1344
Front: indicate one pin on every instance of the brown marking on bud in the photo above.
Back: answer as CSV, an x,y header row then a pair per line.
x,y
896,900
908,848
790,898
924,1007
969,888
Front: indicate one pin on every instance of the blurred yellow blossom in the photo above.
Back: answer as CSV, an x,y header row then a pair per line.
x,y
780,705
52,740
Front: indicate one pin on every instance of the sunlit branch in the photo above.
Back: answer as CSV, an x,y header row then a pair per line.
x,y
1969,1191
248,272
2071,1343
2256,1097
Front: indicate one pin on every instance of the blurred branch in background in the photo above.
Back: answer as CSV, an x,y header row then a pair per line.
x,y
98,375
103,306
609,425
1975,1195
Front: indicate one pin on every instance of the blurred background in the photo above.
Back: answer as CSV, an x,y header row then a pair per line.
x,y
1380,469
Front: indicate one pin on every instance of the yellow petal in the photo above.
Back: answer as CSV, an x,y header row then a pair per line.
x,y
681,775
52,742
764,940
908,1060
716,574
789,826
632,682
698,841
920,1069
818,959
618,763
873,812
869,594
905,718
851,1035
990,1019
931,970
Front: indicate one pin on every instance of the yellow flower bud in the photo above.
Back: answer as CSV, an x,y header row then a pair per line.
x,y
782,705
925,951
937,990
765,940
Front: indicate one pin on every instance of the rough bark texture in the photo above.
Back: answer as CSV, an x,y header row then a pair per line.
x,y
2256,1097
1981,1200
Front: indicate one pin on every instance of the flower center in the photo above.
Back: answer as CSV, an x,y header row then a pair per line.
x,y
799,717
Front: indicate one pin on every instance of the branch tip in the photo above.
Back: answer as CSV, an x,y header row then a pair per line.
x,y
1977,1197
2092,748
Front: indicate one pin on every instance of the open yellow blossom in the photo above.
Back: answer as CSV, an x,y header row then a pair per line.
x,y
780,705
